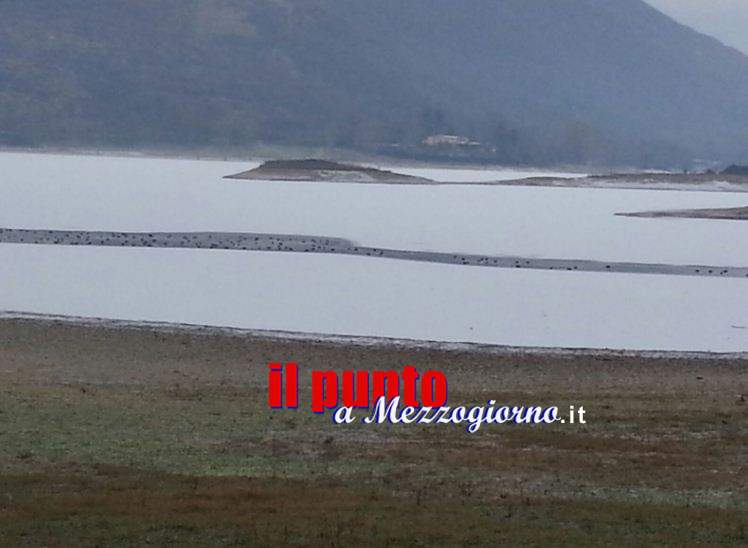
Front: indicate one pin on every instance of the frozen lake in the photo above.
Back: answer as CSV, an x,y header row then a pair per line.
x,y
134,194
378,297
371,297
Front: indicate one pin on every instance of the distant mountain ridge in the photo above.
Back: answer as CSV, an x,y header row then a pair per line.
x,y
533,81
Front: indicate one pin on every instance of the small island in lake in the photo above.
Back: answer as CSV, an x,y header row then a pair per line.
x,y
324,171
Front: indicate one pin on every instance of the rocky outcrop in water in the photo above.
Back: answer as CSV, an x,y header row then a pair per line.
x,y
324,171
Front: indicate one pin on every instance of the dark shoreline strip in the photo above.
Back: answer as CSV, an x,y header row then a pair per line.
x,y
360,341
320,244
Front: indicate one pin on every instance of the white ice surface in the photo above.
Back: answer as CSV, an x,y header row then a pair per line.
x,y
136,194
378,297
371,297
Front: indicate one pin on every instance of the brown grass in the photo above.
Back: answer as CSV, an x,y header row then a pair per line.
x,y
122,437
119,506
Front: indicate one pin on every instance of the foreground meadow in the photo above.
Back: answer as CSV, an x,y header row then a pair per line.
x,y
125,436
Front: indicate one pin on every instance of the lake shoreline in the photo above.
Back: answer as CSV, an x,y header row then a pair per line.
x,y
353,341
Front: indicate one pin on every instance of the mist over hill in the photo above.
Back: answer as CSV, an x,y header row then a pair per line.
x,y
532,81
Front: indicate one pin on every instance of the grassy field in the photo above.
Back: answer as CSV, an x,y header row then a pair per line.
x,y
128,436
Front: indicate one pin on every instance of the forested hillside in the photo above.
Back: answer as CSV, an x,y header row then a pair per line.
x,y
533,81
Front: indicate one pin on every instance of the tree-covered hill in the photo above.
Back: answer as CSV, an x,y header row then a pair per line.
x,y
535,81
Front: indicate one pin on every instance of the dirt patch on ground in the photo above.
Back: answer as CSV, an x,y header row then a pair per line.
x,y
132,435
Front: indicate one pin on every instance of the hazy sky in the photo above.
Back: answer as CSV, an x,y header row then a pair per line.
x,y
726,20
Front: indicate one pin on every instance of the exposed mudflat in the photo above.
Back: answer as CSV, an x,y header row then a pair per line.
x,y
729,214
322,244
